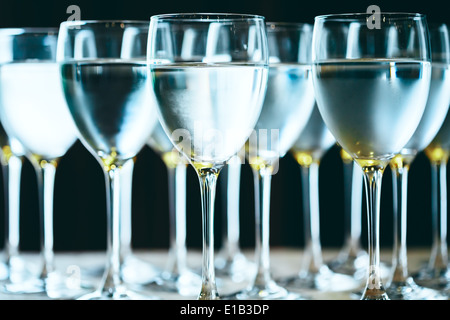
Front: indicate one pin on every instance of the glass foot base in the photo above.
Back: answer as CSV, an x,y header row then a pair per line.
x,y
434,279
374,294
137,271
118,293
23,287
270,291
18,270
322,280
356,266
238,268
54,286
351,265
409,290
58,286
185,284
3,271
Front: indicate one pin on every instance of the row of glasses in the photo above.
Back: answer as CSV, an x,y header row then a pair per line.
x,y
436,273
105,79
288,103
40,121
176,277
400,284
311,145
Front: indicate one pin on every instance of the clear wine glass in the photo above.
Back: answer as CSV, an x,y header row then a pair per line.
x,y
352,258
209,98
436,274
287,107
176,277
311,145
400,284
371,77
104,74
29,65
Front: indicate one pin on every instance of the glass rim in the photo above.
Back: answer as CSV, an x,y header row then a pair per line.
x,y
358,16
98,22
206,17
287,25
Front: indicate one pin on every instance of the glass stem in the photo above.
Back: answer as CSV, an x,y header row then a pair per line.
x,y
232,191
399,169
208,182
12,171
352,206
177,218
373,177
439,257
126,184
113,283
355,209
312,258
46,181
263,179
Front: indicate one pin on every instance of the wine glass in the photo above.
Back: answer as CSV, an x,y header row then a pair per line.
x,y
30,85
104,74
400,284
352,258
209,97
311,145
287,106
176,277
436,274
371,82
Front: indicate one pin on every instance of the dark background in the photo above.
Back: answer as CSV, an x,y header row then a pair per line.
x,y
79,209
